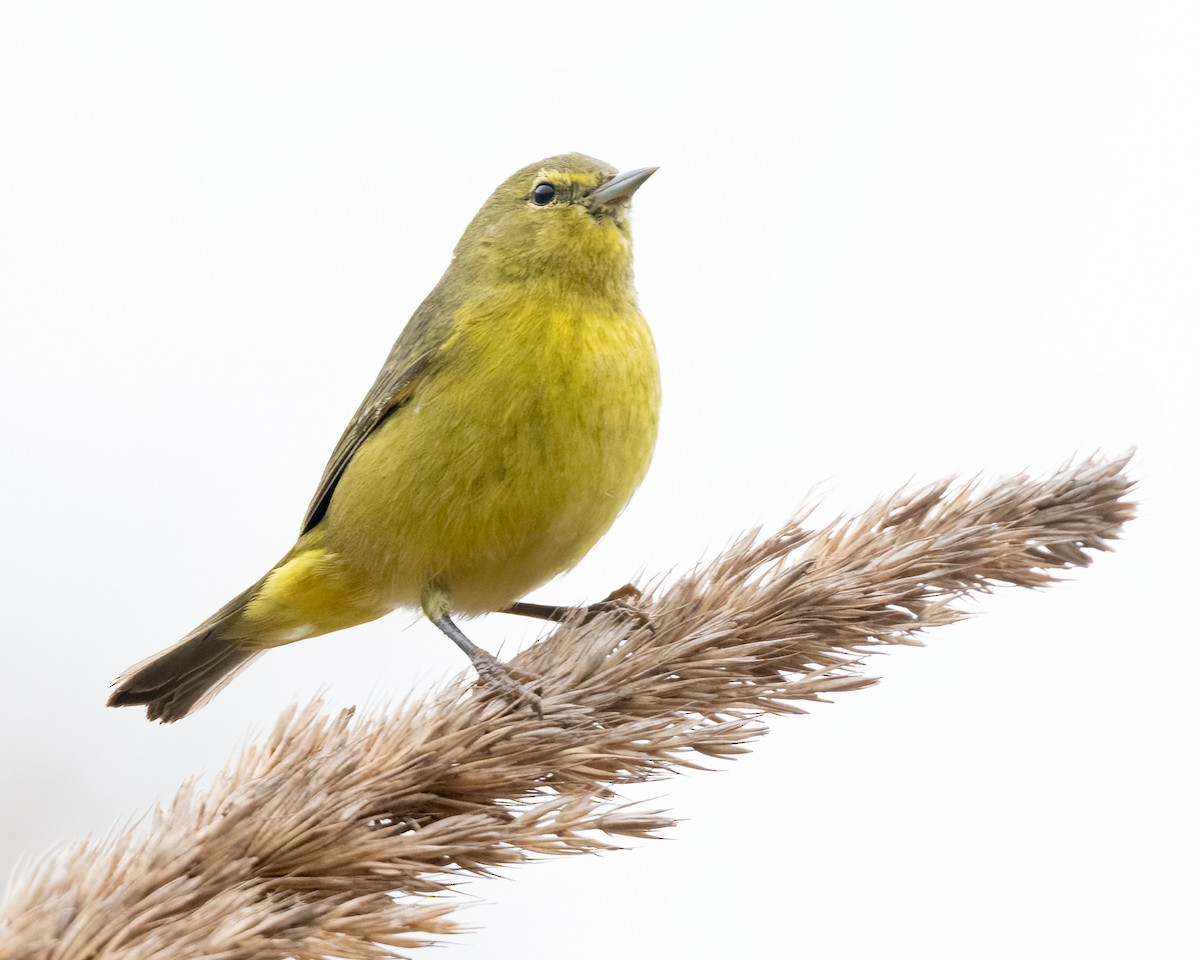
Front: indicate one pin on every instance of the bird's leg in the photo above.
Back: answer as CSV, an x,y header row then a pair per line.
x,y
615,602
491,671
542,611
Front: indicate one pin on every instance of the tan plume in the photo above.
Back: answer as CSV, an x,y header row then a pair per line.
x,y
341,836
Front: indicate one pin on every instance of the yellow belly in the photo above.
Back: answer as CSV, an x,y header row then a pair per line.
x,y
509,463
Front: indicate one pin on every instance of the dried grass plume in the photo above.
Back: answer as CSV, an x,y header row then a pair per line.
x,y
341,836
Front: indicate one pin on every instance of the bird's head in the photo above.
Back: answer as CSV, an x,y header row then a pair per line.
x,y
564,220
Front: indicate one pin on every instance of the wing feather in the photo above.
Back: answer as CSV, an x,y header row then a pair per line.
x,y
412,359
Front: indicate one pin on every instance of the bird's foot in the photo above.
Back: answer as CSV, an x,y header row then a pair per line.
x,y
504,681
619,602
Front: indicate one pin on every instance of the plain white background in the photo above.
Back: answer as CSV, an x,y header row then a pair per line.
x,y
888,241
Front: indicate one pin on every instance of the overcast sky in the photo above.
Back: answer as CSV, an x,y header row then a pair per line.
x,y
888,241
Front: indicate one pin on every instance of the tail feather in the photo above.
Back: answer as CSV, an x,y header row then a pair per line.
x,y
182,678
179,680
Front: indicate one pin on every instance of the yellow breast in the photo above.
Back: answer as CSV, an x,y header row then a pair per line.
x,y
511,460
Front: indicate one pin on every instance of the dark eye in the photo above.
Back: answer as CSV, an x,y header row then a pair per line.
x,y
543,193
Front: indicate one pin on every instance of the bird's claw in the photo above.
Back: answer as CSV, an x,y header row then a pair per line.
x,y
498,677
620,601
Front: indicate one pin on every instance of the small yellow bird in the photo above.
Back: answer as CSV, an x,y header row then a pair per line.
x,y
509,426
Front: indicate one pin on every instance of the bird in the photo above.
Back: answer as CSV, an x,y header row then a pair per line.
x,y
510,424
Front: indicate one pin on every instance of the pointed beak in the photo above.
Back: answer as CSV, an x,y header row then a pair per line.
x,y
622,186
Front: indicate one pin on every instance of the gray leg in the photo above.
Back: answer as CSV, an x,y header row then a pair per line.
x,y
542,611
615,602
491,671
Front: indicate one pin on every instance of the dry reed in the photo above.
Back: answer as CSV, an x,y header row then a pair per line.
x,y
335,836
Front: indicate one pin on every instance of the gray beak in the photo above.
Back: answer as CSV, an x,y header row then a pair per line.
x,y
622,186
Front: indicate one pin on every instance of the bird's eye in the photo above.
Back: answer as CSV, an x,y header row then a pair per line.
x,y
543,193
